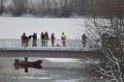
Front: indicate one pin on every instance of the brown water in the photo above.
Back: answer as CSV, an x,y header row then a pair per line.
x,y
54,70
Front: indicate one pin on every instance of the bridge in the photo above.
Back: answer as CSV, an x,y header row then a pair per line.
x,y
73,49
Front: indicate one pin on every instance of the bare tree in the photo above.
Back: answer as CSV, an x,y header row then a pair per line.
x,y
1,6
56,8
109,32
19,7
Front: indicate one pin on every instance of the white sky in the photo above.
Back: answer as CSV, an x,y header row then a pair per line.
x,y
13,27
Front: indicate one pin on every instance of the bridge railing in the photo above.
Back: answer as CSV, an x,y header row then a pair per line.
x,y
16,43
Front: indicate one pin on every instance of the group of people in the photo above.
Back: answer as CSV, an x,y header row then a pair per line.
x,y
44,39
25,39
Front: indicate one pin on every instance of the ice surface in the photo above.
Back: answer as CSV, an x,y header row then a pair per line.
x,y
13,27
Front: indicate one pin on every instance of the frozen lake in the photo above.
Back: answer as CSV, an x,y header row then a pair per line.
x,y
13,27
54,70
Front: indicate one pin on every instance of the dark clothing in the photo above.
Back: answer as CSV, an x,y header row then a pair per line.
x,y
34,36
24,39
42,36
84,40
46,38
52,39
29,37
34,39
42,39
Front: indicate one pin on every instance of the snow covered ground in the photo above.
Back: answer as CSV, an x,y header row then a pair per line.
x,y
13,27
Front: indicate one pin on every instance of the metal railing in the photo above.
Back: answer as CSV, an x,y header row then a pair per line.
x,y
16,44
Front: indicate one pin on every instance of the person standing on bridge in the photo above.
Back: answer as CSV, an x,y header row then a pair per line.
x,y
34,39
52,39
63,39
46,38
84,40
24,40
42,39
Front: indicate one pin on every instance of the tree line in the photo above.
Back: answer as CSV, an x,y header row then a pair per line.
x,y
39,8
62,8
